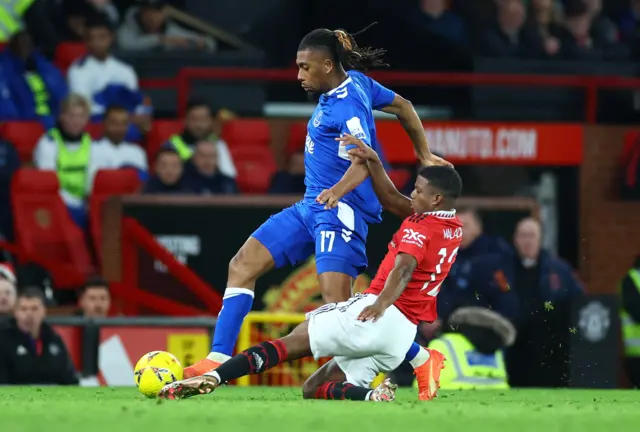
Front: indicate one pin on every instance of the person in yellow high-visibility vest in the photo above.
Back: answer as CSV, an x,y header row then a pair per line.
x,y
629,290
473,348
11,13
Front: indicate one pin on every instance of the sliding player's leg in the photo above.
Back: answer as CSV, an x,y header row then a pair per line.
x,y
282,240
330,382
427,364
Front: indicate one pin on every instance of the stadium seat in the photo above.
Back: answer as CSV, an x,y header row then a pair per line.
x,y
95,130
161,132
44,229
297,137
247,132
24,135
255,165
108,183
67,53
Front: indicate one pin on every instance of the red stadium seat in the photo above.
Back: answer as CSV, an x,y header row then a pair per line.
x,y
67,53
297,137
24,135
44,229
247,132
161,132
108,183
95,130
255,165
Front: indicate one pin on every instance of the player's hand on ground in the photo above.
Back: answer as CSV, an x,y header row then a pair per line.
x,y
328,198
433,160
372,313
362,151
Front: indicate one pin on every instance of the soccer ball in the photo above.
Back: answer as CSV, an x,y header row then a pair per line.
x,y
155,370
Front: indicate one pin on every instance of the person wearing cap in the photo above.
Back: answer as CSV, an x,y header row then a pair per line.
x,y
473,343
147,27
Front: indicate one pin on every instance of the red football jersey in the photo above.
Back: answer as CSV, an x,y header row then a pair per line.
x,y
433,240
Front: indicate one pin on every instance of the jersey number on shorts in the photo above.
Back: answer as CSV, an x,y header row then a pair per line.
x,y
327,240
443,253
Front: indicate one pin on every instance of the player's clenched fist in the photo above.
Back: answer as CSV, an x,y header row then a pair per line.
x,y
328,198
372,313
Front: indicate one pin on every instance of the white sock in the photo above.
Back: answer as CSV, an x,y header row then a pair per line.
x,y
219,358
215,375
422,357
368,398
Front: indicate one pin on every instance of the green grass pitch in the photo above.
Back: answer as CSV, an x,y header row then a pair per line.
x,y
262,409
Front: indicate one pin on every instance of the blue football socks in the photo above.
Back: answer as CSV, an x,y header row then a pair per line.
x,y
236,304
413,351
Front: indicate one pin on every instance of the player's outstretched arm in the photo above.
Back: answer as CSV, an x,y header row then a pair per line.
x,y
410,121
390,198
394,286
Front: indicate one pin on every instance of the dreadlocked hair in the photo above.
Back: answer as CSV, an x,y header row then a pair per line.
x,y
343,48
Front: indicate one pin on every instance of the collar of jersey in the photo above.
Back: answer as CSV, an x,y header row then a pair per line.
x,y
344,83
443,213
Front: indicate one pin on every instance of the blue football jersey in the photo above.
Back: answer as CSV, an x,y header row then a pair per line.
x,y
345,109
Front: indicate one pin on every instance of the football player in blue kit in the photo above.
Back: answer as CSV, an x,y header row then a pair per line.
x,y
329,64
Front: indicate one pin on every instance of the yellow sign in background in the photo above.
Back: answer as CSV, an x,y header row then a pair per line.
x,y
189,348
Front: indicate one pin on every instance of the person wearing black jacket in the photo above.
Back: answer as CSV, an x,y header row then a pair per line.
x,y
202,174
31,352
168,177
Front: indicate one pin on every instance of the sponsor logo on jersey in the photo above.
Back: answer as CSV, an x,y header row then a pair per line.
x,y
308,145
355,128
413,237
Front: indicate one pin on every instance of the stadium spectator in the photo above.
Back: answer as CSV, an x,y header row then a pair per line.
x,y
474,244
108,9
147,27
435,17
201,173
601,26
70,151
31,352
544,285
200,125
125,154
629,290
34,87
9,164
168,177
95,299
628,22
290,181
74,15
579,39
7,298
473,344
105,80
544,21
509,37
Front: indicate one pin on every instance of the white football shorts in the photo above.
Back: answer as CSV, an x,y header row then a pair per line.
x,y
361,349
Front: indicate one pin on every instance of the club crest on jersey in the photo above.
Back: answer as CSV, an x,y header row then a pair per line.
x,y
317,119
413,237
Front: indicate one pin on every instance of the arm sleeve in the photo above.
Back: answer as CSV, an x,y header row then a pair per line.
x,y
80,83
353,121
130,40
415,240
44,155
68,376
380,95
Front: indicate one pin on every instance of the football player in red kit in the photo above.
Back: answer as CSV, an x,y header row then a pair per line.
x,y
371,332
